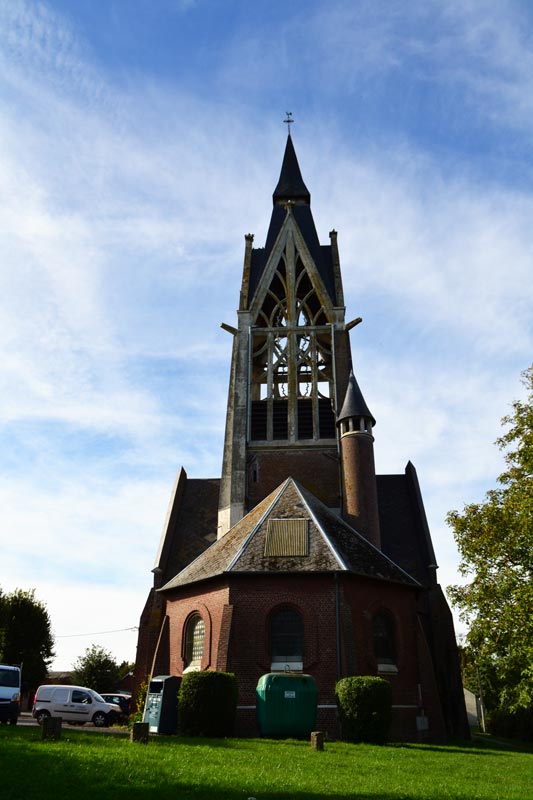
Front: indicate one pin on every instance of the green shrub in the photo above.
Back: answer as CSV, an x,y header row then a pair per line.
x,y
364,708
207,704
140,700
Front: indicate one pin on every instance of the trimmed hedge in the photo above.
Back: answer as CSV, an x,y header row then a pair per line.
x,y
207,704
365,703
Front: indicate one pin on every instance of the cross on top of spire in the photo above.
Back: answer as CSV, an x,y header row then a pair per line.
x,y
288,122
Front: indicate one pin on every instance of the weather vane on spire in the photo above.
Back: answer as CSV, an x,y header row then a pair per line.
x,y
288,122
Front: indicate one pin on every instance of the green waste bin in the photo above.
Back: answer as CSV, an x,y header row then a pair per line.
x,y
286,704
161,708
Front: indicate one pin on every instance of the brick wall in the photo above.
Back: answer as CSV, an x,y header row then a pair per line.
x,y
150,625
317,471
236,610
360,497
210,604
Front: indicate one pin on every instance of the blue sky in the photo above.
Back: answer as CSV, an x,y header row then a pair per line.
x,y
139,141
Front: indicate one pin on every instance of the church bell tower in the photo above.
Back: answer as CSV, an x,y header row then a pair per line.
x,y
291,359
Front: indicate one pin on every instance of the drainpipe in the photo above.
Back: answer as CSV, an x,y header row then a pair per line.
x,y
249,388
338,624
335,388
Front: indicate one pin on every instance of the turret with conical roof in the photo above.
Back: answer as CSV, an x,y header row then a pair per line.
x,y
359,487
354,407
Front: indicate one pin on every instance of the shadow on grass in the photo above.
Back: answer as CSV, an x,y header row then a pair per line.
x,y
488,740
68,769
475,747
58,775
210,793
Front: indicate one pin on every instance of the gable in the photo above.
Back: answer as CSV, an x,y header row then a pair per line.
x,y
294,252
190,525
288,513
405,536
291,531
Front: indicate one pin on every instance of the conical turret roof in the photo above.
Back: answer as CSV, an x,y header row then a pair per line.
x,y
354,403
291,185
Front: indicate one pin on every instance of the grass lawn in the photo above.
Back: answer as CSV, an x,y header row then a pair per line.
x,y
96,765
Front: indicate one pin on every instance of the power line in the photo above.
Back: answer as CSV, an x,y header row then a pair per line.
x,y
97,633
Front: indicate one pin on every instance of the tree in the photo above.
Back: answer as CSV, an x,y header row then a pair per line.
x,y
97,669
482,679
125,668
495,541
26,635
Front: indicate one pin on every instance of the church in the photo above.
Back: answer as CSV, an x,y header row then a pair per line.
x,y
299,557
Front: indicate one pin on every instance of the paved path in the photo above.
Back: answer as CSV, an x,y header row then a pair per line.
x,y
26,720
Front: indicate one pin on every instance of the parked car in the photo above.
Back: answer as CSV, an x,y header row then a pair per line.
x,y
75,704
9,693
122,699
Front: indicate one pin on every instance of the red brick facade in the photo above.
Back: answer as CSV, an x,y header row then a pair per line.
x,y
237,613
318,471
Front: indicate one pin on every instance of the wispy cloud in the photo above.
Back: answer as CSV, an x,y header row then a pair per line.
x,y
451,254
122,215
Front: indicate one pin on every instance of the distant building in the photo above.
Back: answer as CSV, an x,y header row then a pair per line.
x,y
299,557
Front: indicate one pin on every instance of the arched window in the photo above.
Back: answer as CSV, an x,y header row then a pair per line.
x,y
194,643
286,640
384,642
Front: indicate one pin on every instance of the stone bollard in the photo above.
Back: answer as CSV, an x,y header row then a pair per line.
x,y
139,732
317,740
51,728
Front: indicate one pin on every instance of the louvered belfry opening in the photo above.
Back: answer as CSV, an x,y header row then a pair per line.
x,y
292,373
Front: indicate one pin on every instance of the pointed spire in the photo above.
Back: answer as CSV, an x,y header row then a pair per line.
x,y
290,185
354,403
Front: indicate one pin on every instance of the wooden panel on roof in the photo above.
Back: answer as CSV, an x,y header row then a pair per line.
x,y
287,537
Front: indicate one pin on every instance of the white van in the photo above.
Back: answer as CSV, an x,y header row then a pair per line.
x,y
9,693
75,704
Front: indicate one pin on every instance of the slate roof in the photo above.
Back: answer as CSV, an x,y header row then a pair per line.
x,y
190,526
333,545
354,403
405,535
292,187
290,184
321,254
